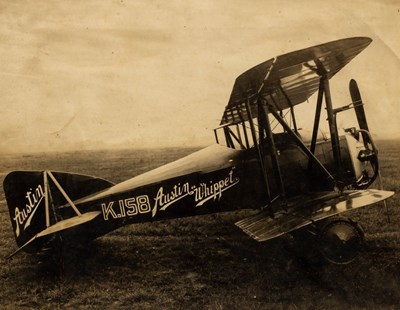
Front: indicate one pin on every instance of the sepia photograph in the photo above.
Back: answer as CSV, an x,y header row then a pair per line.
x,y
199,154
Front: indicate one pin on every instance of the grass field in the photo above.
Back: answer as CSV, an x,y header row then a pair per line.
x,y
196,263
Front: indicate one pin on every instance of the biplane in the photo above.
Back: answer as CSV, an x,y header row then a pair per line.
x,y
261,160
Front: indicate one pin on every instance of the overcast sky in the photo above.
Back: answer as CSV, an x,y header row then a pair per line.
x,y
105,74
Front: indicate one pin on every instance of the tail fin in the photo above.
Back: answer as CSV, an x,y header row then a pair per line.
x,y
29,195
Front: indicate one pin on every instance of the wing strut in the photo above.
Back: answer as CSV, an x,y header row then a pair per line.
x,y
263,113
259,152
316,121
332,124
243,127
304,148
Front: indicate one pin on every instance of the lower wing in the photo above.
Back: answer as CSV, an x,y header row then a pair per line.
x,y
306,211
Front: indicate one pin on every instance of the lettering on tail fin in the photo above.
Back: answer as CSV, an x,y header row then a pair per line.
x,y
24,216
26,191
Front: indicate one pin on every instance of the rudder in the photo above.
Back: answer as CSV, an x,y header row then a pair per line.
x,y
26,194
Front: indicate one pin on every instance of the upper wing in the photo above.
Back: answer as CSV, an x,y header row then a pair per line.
x,y
262,227
291,78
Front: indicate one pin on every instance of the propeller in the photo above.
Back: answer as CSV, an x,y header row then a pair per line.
x,y
363,125
359,109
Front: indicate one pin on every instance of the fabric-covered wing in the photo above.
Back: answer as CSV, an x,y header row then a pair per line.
x,y
289,79
262,227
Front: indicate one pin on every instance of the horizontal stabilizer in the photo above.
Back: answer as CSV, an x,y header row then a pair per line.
x,y
59,226
262,227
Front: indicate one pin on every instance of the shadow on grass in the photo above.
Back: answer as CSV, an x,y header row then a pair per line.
x,y
179,271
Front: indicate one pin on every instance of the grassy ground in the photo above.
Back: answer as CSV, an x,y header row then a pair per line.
x,y
203,262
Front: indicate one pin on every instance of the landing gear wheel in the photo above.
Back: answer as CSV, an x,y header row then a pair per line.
x,y
340,240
